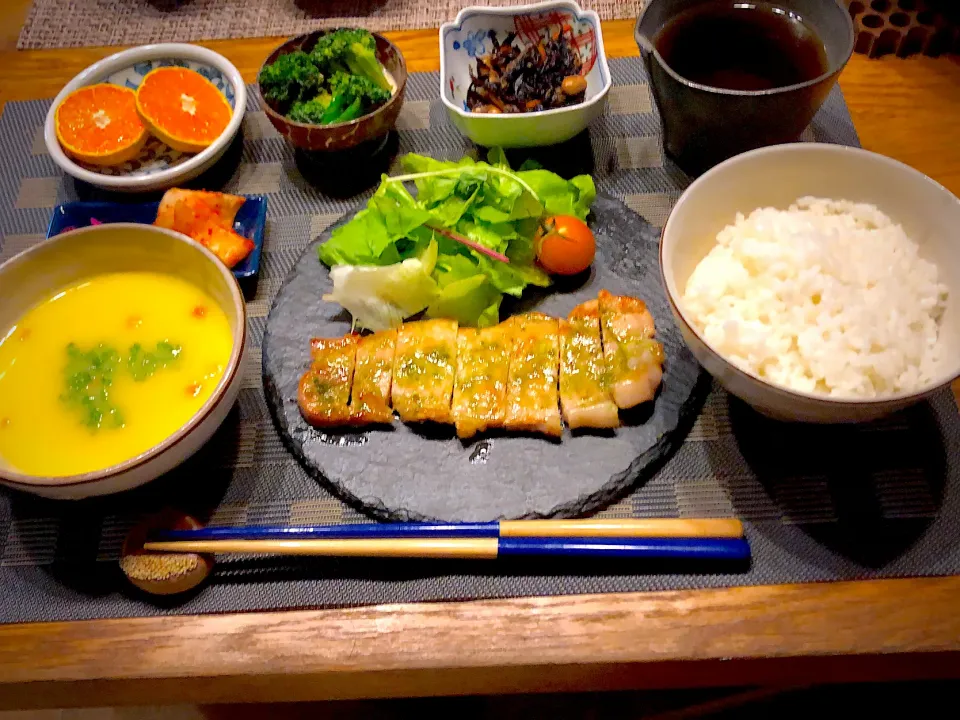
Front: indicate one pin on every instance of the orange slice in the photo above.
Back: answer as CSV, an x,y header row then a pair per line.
x,y
183,108
99,125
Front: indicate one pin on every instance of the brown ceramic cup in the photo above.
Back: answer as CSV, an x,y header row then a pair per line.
x,y
345,135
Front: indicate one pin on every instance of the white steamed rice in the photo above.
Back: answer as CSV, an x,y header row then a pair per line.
x,y
829,297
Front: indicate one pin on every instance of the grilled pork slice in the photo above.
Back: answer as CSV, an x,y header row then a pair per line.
x,y
324,392
633,357
532,396
370,398
585,396
423,370
479,395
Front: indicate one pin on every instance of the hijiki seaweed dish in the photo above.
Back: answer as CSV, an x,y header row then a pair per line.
x,y
541,76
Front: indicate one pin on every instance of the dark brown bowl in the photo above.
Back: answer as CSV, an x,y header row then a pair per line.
x,y
339,136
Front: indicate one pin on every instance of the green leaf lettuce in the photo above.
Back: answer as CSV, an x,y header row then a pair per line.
x,y
485,202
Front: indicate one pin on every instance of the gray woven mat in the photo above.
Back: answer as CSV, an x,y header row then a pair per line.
x,y
820,504
79,23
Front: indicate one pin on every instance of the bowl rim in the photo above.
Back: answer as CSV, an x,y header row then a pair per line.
x,y
531,9
397,93
942,380
25,481
99,70
647,48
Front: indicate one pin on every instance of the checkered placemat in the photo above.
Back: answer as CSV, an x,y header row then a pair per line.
x,y
819,503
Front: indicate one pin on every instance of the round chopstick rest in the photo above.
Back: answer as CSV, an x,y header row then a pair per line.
x,y
160,573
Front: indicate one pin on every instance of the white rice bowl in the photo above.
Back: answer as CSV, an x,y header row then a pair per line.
x,y
828,297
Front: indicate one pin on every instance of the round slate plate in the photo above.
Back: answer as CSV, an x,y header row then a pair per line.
x,y
417,473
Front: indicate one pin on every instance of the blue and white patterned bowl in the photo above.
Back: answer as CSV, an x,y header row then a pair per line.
x,y
468,37
158,166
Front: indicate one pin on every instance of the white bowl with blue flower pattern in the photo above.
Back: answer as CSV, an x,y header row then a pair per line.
x,y
158,166
468,37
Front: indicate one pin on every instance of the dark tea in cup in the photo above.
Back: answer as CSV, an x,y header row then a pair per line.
x,y
733,75
742,46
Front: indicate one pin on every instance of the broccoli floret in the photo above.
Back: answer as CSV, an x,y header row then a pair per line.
x,y
350,97
310,111
355,81
290,78
360,87
353,52
336,109
353,111
349,36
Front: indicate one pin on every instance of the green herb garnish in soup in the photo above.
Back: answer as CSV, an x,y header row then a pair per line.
x,y
106,369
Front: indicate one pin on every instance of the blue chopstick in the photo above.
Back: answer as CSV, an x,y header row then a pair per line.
x,y
729,549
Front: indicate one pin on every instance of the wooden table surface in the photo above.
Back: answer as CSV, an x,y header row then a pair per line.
x,y
784,635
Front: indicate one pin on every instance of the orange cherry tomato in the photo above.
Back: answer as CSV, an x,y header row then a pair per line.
x,y
564,245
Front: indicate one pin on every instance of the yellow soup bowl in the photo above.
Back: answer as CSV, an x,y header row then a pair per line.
x,y
120,354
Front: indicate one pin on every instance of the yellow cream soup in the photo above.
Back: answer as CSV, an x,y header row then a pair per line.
x,y
105,370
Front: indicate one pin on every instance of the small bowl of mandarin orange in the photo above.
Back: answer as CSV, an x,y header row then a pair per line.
x,y
146,119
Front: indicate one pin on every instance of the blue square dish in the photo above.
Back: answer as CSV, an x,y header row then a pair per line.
x,y
251,223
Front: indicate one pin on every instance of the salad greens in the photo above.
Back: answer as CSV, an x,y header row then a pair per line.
x,y
383,295
485,202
